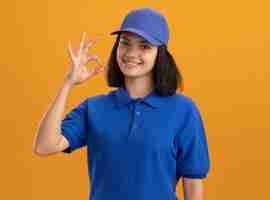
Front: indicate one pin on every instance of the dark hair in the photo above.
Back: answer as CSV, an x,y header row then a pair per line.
x,y
167,78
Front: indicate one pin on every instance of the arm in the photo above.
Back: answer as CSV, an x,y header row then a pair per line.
x,y
48,138
193,189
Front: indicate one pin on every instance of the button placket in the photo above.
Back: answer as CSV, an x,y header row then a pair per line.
x,y
136,116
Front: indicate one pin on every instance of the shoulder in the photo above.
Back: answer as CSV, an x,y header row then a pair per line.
x,y
185,102
192,110
103,99
188,107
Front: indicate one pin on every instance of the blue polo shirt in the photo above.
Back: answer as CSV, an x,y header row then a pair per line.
x,y
138,149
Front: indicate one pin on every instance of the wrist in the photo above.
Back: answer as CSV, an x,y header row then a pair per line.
x,y
68,84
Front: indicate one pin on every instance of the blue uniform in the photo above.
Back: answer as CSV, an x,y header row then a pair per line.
x,y
138,148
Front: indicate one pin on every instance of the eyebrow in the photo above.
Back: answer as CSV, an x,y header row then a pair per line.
x,y
141,41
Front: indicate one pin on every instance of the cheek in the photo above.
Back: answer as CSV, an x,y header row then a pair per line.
x,y
151,58
118,55
120,52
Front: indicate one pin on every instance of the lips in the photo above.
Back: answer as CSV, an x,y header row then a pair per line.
x,y
132,63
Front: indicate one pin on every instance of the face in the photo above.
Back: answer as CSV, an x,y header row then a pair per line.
x,y
135,56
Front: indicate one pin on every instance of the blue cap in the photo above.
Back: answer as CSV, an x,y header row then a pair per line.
x,y
147,23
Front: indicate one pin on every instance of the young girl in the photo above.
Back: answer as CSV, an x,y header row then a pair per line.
x,y
142,137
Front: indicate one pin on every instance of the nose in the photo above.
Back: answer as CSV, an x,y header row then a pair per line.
x,y
132,52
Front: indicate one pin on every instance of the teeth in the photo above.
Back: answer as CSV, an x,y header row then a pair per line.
x,y
132,63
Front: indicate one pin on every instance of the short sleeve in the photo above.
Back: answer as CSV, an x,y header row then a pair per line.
x,y
74,127
192,149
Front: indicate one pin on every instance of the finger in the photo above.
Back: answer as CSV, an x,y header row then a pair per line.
x,y
90,44
97,70
98,61
71,54
101,69
94,58
82,42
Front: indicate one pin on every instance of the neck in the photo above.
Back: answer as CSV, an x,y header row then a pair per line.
x,y
138,88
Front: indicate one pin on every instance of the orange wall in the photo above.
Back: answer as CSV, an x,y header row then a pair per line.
x,y
222,50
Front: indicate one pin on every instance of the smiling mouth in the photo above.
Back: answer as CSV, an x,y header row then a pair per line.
x,y
131,64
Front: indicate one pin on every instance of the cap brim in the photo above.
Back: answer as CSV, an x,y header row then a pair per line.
x,y
147,37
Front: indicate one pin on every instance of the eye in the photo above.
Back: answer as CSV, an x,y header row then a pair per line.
x,y
145,46
124,42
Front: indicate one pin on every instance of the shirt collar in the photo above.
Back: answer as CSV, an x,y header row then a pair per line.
x,y
122,98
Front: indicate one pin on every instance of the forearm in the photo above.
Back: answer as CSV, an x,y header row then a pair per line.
x,y
193,189
48,133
